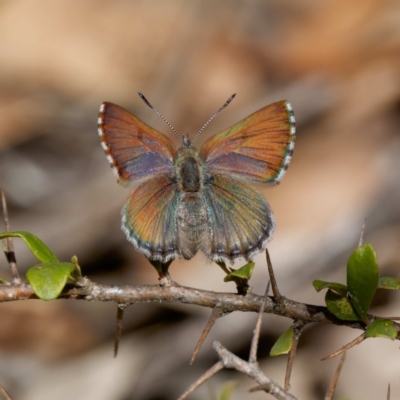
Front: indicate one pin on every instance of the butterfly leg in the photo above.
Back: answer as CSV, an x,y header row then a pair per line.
x,y
161,268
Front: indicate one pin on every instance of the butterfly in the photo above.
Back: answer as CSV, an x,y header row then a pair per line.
x,y
187,200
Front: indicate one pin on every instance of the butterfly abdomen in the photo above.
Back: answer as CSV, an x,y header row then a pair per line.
x,y
192,223
191,213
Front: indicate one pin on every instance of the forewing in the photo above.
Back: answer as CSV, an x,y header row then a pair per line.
x,y
258,148
133,148
241,222
149,218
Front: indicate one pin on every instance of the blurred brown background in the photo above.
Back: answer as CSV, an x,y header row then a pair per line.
x,y
337,62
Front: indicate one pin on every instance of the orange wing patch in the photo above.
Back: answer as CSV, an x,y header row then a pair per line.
x,y
133,148
258,148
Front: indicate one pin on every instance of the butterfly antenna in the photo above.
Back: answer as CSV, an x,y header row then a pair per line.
x,y
160,115
224,106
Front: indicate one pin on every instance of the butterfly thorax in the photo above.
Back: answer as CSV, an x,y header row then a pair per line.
x,y
189,169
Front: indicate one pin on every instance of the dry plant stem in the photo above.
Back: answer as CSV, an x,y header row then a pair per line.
x,y
228,302
348,346
265,388
252,370
297,331
256,335
118,331
212,371
392,318
9,248
332,386
216,313
388,392
4,393
274,285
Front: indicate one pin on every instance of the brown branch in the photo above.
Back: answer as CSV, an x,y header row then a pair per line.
x,y
9,245
252,370
207,375
346,347
272,279
4,393
332,386
228,302
216,313
297,331
257,330
118,331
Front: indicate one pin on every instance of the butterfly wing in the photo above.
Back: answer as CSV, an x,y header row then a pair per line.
x,y
149,218
258,148
134,149
139,152
241,220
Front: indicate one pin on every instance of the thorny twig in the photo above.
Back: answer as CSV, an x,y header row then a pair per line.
x,y
216,313
228,302
118,331
346,347
332,386
257,330
221,303
274,284
250,368
297,331
4,393
205,377
9,245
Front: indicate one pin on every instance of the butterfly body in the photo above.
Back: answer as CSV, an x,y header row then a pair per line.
x,y
188,200
192,221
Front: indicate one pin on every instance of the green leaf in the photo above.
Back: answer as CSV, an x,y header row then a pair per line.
x,y
36,246
336,287
3,282
48,279
241,273
386,282
284,343
382,328
340,306
362,279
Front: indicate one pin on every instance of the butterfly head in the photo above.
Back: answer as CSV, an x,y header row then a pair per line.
x,y
186,142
